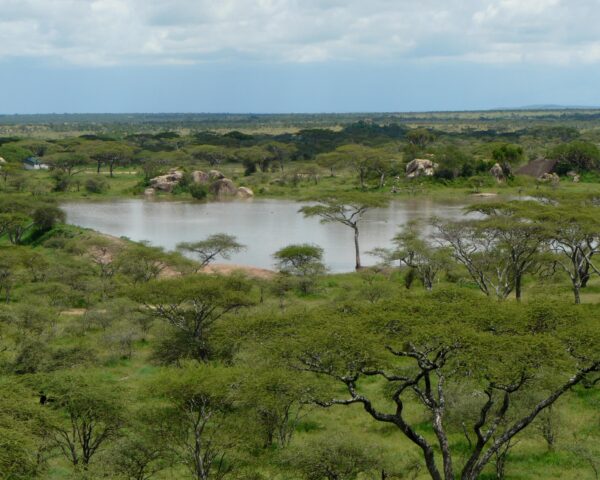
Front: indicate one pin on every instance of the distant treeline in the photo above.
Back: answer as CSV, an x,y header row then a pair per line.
x,y
113,122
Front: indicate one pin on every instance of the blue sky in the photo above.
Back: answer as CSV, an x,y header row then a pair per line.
x,y
296,55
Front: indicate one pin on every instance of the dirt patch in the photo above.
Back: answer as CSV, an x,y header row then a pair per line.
x,y
168,272
75,312
484,194
228,269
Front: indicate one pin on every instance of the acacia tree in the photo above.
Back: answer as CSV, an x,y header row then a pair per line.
x,y
194,420
419,137
304,261
573,235
330,160
23,444
520,238
458,342
90,414
212,154
281,152
109,153
359,158
417,253
191,306
140,262
497,250
381,166
68,163
276,400
347,210
217,245
255,156
15,225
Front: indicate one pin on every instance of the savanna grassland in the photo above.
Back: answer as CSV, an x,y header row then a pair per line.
x,y
471,351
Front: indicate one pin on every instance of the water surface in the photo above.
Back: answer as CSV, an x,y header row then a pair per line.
x,y
264,226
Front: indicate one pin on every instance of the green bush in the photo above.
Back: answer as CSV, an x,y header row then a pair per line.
x,y
198,191
96,185
45,217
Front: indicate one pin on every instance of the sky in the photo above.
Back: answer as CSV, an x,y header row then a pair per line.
x,y
280,56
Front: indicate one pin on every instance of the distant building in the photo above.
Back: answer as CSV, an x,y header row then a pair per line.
x,y
34,163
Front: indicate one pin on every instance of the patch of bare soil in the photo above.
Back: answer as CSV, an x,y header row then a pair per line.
x,y
75,312
228,269
484,194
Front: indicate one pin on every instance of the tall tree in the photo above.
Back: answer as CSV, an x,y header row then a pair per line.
x,y
281,152
212,154
90,414
573,235
69,163
417,253
305,261
347,210
110,153
497,250
194,418
214,246
191,306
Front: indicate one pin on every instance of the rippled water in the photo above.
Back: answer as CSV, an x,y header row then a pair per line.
x,y
263,226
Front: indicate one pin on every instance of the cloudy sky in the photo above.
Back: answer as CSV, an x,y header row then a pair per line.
x,y
296,55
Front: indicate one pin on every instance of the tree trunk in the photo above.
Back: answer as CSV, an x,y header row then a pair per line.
x,y
576,294
362,179
518,287
381,180
444,445
357,249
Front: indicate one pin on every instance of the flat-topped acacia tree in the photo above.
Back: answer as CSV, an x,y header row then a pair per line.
x,y
217,245
111,153
345,209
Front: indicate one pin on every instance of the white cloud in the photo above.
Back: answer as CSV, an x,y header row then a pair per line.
x,y
112,32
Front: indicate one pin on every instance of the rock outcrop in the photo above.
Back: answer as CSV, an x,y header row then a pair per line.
x,y
223,187
497,172
420,167
574,176
537,168
198,176
217,183
552,178
244,192
167,182
215,175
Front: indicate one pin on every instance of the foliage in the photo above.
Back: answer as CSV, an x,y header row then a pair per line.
x,y
96,185
198,191
304,261
217,245
577,155
336,458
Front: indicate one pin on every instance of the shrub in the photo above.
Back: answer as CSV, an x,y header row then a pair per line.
x,y
198,191
46,217
96,185
578,156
